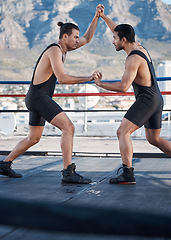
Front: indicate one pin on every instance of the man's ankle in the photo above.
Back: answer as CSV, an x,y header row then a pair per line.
x,y
126,166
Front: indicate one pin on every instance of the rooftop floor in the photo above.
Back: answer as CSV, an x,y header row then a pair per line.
x,y
42,174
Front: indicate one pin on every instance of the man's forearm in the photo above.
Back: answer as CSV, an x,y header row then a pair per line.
x,y
91,30
111,24
116,87
68,79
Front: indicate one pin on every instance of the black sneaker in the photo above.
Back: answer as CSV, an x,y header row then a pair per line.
x,y
70,176
127,177
5,169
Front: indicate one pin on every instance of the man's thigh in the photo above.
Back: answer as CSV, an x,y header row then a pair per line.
x,y
127,126
61,121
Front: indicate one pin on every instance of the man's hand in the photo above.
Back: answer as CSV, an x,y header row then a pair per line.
x,y
97,76
100,10
97,14
86,38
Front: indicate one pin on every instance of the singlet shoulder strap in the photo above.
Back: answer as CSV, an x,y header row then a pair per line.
x,y
138,52
150,64
51,45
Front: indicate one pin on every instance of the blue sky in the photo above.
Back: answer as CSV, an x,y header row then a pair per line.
x,y
167,1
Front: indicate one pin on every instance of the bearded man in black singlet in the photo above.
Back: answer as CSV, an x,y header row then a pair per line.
x,y
41,106
147,109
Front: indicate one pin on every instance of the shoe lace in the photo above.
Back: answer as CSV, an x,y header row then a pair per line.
x,y
68,172
74,167
119,169
78,175
75,173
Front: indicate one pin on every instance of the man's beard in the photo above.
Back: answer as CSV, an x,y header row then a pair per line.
x,y
118,48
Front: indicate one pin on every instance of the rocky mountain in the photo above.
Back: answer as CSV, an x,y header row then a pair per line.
x,y
33,22
27,26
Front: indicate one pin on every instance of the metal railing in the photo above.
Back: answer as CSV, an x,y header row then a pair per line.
x,y
87,122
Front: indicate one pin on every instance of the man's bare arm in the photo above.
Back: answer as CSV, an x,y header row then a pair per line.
x,y
90,31
111,24
55,58
131,68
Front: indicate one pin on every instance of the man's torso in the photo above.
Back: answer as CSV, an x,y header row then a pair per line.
x,y
143,76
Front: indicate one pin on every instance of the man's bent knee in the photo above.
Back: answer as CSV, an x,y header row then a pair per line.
x,y
33,140
153,141
119,132
69,128
153,137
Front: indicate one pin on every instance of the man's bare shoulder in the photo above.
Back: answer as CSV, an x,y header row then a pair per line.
x,y
133,59
54,53
140,48
54,49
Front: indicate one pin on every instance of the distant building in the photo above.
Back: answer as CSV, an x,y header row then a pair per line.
x,y
164,70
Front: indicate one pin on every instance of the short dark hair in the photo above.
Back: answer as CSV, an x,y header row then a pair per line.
x,y
66,28
127,31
